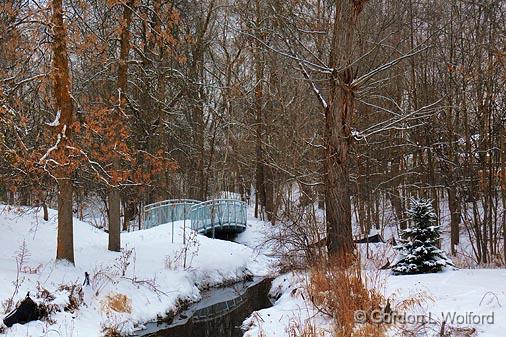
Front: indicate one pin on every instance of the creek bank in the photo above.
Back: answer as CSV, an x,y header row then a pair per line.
x,y
220,313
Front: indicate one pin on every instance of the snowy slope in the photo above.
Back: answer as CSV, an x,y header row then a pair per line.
x,y
154,279
258,235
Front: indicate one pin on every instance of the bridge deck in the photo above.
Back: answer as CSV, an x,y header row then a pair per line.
x,y
208,217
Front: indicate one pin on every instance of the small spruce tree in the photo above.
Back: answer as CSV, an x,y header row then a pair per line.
x,y
418,244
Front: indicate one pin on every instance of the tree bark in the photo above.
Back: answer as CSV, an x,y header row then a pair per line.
x,y
260,197
113,196
337,180
65,242
114,220
338,118
61,83
454,207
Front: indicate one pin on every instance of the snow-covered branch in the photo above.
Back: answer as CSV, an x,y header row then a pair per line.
x,y
398,122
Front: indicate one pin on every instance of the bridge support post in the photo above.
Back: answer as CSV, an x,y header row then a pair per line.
x,y
184,228
213,217
172,217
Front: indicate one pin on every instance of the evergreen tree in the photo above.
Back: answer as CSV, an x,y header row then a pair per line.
x,y
418,245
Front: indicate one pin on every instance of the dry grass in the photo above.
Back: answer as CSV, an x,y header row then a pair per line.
x,y
111,332
459,332
464,260
117,302
306,329
340,292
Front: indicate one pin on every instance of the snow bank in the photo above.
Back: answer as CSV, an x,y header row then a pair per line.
x,y
291,313
153,281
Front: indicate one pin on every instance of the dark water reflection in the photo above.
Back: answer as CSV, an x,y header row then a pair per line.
x,y
220,313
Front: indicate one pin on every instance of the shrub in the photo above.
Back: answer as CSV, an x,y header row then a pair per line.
x,y
340,292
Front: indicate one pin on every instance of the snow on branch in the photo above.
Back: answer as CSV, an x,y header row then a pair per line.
x,y
316,91
56,121
302,68
360,81
398,121
53,148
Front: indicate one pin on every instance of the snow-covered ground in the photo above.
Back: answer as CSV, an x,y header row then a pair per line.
x,y
466,299
155,281
149,272
472,302
291,312
257,235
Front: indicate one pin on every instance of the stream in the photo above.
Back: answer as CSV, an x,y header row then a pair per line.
x,y
220,313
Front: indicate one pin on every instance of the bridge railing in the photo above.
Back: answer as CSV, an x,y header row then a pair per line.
x,y
207,215
167,211
204,216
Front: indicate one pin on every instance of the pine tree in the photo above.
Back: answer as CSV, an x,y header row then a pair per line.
x,y
418,245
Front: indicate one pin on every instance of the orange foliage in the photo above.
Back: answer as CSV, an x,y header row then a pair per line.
x,y
106,137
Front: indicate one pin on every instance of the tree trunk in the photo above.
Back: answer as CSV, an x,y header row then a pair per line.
x,y
65,241
270,204
61,82
11,198
114,220
454,207
45,211
337,179
259,121
452,119
338,118
113,196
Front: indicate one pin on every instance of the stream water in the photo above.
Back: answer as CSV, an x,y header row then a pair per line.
x,y
220,313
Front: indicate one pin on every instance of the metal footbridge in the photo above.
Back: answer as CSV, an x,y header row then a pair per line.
x,y
209,217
